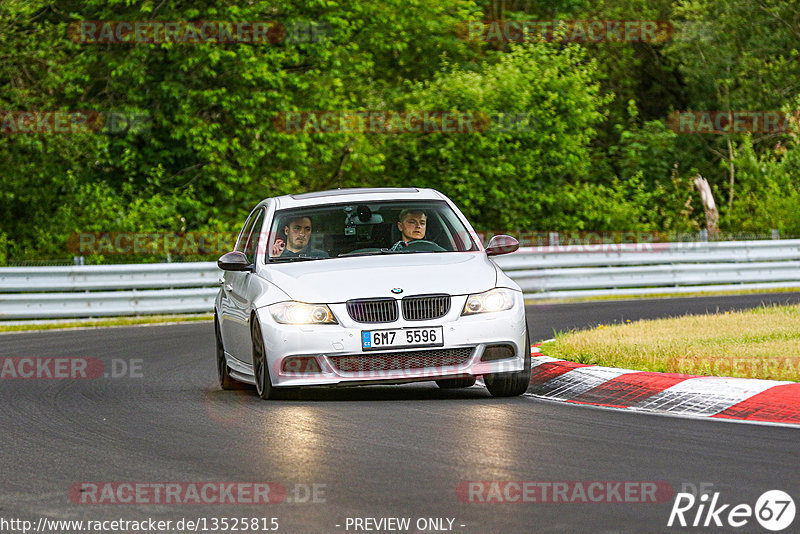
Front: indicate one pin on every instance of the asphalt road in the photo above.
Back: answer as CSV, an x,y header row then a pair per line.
x,y
373,452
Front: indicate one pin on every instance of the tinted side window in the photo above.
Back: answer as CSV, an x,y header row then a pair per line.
x,y
248,226
252,238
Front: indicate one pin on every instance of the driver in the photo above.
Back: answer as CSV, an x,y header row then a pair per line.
x,y
411,223
298,237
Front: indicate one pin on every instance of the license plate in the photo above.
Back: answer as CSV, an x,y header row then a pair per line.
x,y
402,337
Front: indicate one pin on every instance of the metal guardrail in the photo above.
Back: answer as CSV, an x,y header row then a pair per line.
x,y
569,271
649,268
107,290
111,277
106,303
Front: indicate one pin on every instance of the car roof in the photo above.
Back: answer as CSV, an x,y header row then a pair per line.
x,y
361,194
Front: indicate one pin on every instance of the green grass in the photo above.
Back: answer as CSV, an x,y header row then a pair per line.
x,y
759,343
110,321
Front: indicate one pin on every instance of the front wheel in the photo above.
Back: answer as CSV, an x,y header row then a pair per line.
x,y
260,365
514,383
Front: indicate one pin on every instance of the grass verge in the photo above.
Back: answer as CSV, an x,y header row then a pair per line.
x,y
759,343
110,321
666,294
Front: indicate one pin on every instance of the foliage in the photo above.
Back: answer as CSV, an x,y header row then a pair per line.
x,y
735,55
595,153
510,175
627,205
769,190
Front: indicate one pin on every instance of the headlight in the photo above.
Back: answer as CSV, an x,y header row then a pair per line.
x,y
494,300
302,313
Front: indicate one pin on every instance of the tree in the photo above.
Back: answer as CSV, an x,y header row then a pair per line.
x,y
737,55
508,176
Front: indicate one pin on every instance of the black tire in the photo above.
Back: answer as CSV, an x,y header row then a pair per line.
x,y
260,366
225,380
514,383
454,383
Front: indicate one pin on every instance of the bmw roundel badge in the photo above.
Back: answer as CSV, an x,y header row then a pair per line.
x,y
397,290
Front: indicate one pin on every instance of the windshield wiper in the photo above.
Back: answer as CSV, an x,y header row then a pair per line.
x,y
404,251
296,258
365,253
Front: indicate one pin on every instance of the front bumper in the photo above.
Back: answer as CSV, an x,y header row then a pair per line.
x,y
338,352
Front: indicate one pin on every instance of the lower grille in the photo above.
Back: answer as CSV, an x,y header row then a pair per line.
x,y
401,361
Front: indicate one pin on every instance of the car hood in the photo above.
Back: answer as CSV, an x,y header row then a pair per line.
x,y
340,279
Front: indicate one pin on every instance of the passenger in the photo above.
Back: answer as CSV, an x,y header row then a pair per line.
x,y
298,238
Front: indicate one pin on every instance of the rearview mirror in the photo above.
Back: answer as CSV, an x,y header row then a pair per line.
x,y
234,261
362,215
501,244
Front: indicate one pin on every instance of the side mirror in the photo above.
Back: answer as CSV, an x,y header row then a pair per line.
x,y
501,244
234,261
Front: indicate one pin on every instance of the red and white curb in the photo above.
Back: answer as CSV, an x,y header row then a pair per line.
x,y
743,399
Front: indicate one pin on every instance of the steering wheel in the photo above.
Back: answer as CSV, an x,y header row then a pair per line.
x,y
423,246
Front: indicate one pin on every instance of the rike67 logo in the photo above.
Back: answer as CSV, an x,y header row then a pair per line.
x,y
774,510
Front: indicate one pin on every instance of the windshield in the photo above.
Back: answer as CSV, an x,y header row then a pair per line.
x,y
372,228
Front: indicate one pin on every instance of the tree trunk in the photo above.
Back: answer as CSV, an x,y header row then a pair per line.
x,y
732,173
710,207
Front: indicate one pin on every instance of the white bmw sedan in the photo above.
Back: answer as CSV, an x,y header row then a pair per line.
x,y
368,286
